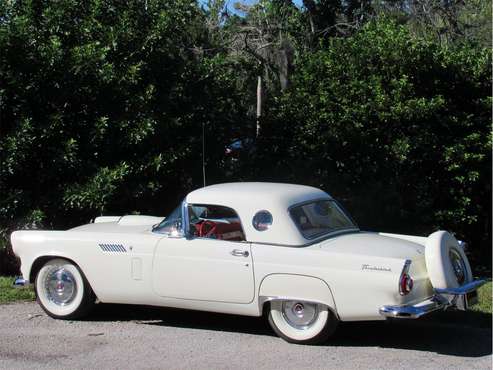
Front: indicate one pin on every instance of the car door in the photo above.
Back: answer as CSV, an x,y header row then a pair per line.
x,y
204,267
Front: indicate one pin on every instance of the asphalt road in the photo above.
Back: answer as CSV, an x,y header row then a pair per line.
x,y
126,337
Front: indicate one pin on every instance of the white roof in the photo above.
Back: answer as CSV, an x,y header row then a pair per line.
x,y
247,198
264,192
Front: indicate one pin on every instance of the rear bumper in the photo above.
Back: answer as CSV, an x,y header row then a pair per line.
x,y
464,289
443,298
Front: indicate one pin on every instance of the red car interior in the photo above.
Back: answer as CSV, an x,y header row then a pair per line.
x,y
218,230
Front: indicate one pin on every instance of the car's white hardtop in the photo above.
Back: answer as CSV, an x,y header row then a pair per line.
x,y
247,198
268,193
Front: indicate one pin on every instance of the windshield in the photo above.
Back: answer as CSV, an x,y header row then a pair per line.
x,y
320,217
171,225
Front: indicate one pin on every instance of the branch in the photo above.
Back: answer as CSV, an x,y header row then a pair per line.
x,y
259,57
338,26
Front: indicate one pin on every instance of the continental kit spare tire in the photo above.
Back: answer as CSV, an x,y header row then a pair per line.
x,y
446,262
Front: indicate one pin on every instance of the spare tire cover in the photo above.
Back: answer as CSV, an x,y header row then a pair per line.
x,y
445,261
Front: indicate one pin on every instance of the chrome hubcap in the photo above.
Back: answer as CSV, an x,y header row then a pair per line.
x,y
458,266
299,315
60,286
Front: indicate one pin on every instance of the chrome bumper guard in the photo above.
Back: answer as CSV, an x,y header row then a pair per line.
x,y
464,289
435,303
19,282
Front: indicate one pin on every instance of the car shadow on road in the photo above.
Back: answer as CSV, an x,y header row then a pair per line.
x,y
464,334
181,318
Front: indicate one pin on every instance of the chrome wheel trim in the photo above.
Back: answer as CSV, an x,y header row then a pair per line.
x,y
299,315
60,286
301,333
458,266
66,301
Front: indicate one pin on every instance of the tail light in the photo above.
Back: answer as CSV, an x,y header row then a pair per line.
x,y
406,281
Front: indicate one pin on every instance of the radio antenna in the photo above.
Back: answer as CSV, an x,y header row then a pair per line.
x,y
203,151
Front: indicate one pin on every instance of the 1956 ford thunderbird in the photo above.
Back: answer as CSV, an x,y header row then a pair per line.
x,y
288,251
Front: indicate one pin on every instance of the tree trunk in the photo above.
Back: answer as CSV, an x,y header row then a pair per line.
x,y
259,104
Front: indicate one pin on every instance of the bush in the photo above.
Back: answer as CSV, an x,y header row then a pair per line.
x,y
398,128
102,106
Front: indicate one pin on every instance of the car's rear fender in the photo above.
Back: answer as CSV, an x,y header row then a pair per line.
x,y
295,287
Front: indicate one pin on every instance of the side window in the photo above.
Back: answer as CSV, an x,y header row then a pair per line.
x,y
215,222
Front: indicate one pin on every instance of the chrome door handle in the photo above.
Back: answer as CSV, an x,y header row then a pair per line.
x,y
239,253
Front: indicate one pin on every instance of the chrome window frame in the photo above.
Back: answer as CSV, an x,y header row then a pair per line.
x,y
185,224
183,229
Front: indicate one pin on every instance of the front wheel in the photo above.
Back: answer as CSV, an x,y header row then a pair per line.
x,y
63,291
302,322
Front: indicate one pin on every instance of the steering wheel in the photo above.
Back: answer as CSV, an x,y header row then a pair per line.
x,y
203,232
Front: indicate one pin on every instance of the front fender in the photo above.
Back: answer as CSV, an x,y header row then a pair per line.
x,y
34,247
295,287
26,245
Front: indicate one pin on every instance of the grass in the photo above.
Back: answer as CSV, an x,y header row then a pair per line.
x,y
484,297
10,294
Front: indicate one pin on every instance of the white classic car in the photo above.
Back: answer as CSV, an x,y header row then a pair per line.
x,y
288,251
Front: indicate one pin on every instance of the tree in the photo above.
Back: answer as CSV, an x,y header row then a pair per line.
x,y
398,128
446,21
102,105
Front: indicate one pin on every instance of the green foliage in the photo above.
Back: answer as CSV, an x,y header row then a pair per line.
x,y
98,102
102,105
93,193
10,294
396,126
484,299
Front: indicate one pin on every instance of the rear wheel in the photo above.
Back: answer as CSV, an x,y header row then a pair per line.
x,y
302,322
63,291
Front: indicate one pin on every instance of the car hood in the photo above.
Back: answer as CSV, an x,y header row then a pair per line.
x,y
371,244
125,224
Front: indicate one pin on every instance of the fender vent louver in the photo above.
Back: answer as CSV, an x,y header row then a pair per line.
x,y
117,248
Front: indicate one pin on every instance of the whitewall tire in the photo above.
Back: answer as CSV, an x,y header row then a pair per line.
x,y
62,290
302,322
446,262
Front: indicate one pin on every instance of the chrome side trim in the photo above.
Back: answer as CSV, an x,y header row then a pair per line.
x,y
312,242
112,247
464,289
415,311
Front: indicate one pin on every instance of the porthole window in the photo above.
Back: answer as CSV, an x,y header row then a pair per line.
x,y
262,220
